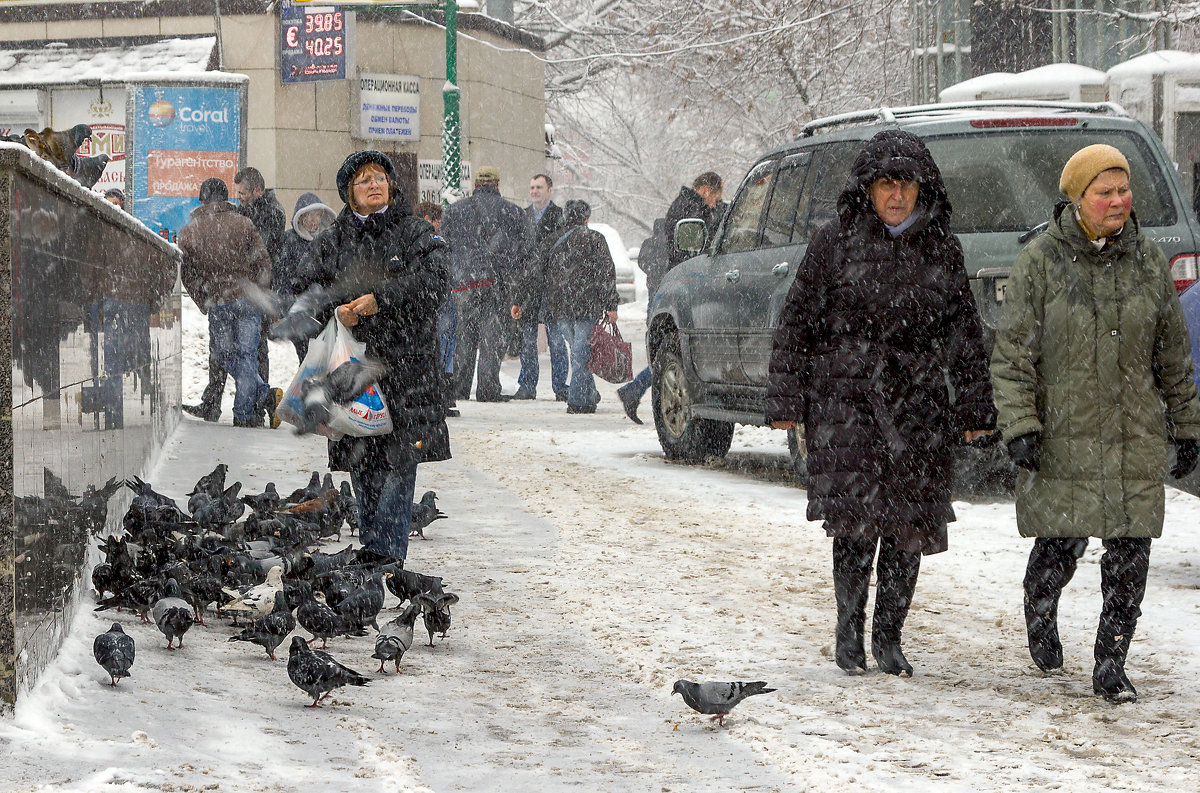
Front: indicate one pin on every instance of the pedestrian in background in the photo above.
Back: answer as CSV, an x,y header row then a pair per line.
x,y
1093,376
309,218
701,201
489,242
580,289
546,219
222,252
878,319
447,317
398,267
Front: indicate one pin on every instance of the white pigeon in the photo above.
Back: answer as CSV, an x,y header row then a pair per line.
x,y
258,600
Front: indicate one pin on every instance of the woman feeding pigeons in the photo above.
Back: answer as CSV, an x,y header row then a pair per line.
x,y
395,266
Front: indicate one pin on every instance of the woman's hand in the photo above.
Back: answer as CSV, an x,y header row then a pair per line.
x,y
515,312
364,306
973,435
612,316
783,425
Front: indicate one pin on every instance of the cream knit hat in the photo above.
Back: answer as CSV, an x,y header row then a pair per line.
x,y
1085,165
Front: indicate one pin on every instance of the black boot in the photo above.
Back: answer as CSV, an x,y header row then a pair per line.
x,y
1052,563
896,581
1123,570
852,559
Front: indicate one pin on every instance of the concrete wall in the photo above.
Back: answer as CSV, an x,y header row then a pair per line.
x,y
299,133
91,330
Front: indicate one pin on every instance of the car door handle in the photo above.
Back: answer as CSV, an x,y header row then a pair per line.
x,y
781,268
733,276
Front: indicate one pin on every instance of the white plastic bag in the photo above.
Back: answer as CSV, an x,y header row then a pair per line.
x,y
366,415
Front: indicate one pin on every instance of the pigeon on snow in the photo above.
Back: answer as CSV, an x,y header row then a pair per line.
x,y
114,651
172,614
717,699
259,601
425,512
315,616
396,637
316,673
269,632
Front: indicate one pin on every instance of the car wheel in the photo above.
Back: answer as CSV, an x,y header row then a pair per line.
x,y
798,451
682,435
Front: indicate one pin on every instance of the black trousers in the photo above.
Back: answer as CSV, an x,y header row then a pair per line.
x,y
480,334
1123,571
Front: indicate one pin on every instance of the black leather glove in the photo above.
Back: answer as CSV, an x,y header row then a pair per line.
x,y
1187,452
1026,451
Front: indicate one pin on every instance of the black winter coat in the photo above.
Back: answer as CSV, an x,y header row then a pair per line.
x,y
405,264
689,204
267,216
489,239
577,275
872,326
543,233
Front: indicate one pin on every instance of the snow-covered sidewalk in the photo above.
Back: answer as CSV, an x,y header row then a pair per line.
x,y
593,574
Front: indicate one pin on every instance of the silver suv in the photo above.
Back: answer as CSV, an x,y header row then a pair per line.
x,y
713,318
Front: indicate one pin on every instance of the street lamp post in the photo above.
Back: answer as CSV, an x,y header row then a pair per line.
x,y
451,138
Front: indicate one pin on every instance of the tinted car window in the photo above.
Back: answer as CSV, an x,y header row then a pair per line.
x,y
741,224
1008,181
827,177
781,214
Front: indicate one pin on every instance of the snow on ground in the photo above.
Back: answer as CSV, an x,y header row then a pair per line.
x,y
592,575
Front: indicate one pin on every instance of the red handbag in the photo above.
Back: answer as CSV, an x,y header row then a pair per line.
x,y
612,356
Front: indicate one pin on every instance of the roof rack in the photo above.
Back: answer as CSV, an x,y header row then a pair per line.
x,y
890,115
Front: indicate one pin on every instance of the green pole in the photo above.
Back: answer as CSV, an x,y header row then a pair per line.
x,y
451,139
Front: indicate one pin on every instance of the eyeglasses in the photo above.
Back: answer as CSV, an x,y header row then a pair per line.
x,y
366,180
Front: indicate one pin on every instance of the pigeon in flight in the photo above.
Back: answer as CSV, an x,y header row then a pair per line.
x,y
316,673
114,651
717,699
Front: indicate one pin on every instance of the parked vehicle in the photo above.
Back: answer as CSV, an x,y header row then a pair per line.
x,y
713,319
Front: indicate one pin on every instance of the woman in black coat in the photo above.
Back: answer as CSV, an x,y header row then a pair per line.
x,y
399,268
880,312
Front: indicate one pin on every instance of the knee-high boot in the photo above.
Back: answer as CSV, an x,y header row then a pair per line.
x,y
852,559
896,581
1123,570
1052,563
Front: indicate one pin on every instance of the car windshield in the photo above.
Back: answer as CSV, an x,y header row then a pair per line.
x,y
1008,181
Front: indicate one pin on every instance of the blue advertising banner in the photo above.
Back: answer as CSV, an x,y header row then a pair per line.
x,y
179,136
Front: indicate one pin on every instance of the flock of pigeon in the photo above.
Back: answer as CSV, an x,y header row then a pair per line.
x,y
264,567
60,147
256,558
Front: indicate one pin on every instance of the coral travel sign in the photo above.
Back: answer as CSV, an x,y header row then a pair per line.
x,y
313,43
389,107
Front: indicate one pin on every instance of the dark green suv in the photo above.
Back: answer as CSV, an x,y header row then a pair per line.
x,y
712,320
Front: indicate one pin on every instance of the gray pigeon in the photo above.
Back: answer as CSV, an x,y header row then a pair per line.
x,y
424,512
269,632
114,651
316,673
87,170
396,637
362,606
435,612
717,699
315,616
172,614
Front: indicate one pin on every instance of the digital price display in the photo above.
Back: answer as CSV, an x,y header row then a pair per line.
x,y
313,44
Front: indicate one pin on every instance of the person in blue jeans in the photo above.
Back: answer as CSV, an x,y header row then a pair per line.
x,y
580,287
222,251
398,268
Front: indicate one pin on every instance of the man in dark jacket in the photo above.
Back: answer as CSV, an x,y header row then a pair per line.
x,y
261,207
546,219
489,240
580,289
703,201
221,253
